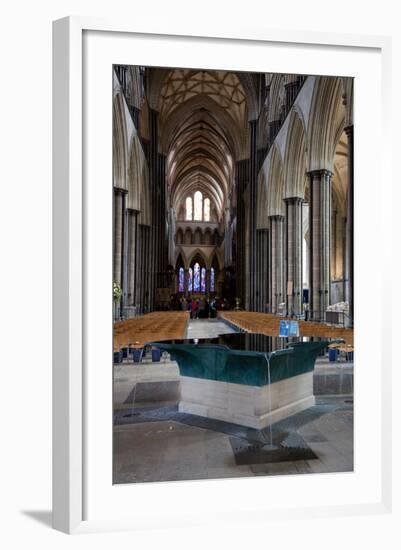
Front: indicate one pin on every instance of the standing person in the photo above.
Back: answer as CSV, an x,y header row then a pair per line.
x,y
202,308
207,309
213,308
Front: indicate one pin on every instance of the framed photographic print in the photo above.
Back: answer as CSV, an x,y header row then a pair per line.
x,y
215,356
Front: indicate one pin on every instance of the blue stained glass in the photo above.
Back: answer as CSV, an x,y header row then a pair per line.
x,y
196,277
212,280
181,280
203,279
190,279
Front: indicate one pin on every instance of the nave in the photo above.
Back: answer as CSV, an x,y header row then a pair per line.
x,y
235,188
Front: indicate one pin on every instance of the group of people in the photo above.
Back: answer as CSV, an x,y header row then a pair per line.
x,y
199,308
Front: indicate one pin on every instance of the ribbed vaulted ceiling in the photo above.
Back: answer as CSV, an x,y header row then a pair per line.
x,y
203,113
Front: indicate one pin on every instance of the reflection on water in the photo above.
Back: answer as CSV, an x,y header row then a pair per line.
x,y
247,341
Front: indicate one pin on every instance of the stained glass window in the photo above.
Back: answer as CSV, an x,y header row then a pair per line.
x,y
212,280
188,204
196,277
203,279
181,280
190,279
198,206
206,207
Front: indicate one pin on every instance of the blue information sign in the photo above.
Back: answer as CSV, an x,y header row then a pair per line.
x,y
284,329
289,328
294,328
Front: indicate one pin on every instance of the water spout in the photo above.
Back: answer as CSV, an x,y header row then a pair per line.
x,y
270,445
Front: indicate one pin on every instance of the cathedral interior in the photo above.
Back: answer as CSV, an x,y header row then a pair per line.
x,y
233,185
234,191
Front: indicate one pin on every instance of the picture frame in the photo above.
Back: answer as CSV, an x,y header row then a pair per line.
x,y
77,43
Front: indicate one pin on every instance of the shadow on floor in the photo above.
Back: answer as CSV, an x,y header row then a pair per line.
x,y
41,516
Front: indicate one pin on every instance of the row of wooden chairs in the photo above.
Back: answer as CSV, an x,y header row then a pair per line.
x,y
269,324
161,325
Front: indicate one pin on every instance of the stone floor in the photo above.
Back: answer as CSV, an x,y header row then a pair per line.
x,y
203,328
154,442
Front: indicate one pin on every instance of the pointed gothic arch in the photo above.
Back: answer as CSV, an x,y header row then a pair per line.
x,y
120,143
134,184
326,120
295,159
275,184
262,203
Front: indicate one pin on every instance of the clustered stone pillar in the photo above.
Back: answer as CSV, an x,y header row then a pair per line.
x,y
153,181
294,255
133,249
124,262
252,215
119,228
120,241
158,250
186,282
319,242
139,268
349,130
241,178
262,264
276,252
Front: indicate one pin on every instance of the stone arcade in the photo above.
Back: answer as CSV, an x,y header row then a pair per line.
x,y
243,179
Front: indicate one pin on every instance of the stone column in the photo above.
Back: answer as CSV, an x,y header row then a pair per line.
x,y
124,262
262,269
265,274
257,269
207,282
153,259
118,234
147,279
139,268
252,215
276,249
344,257
133,249
161,221
294,255
319,243
349,130
241,177
186,282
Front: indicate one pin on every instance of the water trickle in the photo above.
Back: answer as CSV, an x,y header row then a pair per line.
x,y
270,445
133,413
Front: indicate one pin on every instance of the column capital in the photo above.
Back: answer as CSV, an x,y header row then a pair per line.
x,y
277,217
294,200
321,173
120,191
